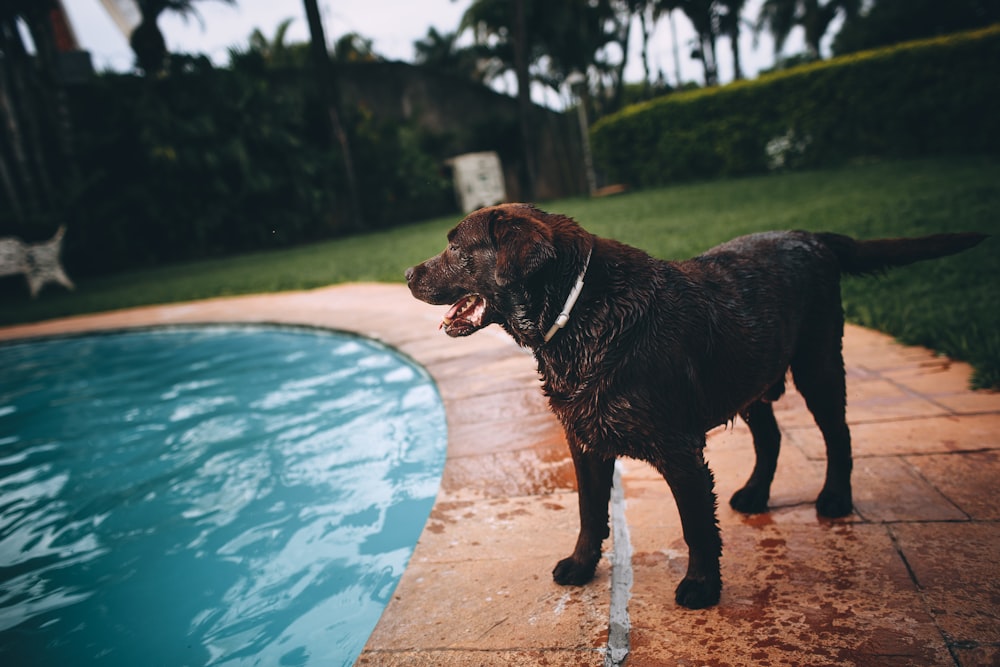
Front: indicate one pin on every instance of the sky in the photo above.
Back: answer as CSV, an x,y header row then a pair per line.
x,y
393,25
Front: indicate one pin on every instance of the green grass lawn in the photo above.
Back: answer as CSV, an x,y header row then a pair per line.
x,y
951,305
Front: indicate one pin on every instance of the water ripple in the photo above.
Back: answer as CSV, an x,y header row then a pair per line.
x,y
213,496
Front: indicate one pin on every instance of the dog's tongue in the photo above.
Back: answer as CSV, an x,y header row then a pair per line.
x,y
468,310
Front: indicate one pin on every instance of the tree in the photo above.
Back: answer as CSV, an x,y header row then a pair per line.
x,y
326,85
275,52
704,17
353,48
648,13
779,17
560,36
520,46
730,25
147,41
37,160
891,21
441,52
675,46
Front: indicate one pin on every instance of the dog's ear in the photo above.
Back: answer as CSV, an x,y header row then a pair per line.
x,y
524,244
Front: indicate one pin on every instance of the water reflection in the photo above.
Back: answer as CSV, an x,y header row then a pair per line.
x,y
207,497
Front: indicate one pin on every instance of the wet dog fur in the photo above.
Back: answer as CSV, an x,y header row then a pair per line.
x,y
656,353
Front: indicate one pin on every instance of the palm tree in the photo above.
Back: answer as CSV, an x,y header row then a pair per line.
x,y
560,36
276,52
353,48
730,24
147,41
327,86
704,16
520,44
441,52
779,17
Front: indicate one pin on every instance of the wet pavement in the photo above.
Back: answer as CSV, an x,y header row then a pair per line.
x,y
911,578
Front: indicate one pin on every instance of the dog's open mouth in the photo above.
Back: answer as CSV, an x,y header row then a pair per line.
x,y
465,316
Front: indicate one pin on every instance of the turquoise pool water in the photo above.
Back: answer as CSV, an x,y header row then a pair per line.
x,y
208,496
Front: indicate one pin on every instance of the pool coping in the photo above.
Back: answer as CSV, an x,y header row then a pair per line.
x,y
477,590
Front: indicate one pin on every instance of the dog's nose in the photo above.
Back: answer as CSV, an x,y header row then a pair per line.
x,y
408,273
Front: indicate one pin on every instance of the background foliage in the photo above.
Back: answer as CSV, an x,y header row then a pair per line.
x,y
207,161
923,98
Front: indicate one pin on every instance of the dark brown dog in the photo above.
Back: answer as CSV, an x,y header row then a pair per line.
x,y
653,353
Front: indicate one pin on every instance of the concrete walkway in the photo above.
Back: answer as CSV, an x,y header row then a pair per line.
x,y
911,578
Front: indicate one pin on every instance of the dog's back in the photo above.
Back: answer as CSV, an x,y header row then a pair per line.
x,y
777,250
756,303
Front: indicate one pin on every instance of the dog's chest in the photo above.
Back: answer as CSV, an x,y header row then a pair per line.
x,y
598,414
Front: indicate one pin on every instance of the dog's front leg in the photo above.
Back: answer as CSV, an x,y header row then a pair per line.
x,y
692,485
593,479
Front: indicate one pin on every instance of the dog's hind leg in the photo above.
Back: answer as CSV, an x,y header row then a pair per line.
x,y
593,478
753,497
818,371
692,486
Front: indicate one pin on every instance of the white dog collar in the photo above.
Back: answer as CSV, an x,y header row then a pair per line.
x,y
574,294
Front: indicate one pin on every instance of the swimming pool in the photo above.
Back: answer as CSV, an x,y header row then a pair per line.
x,y
208,495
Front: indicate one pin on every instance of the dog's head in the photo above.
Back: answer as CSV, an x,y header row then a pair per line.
x,y
490,255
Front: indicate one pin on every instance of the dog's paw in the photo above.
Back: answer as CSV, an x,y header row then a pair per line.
x,y
834,504
698,593
573,572
750,500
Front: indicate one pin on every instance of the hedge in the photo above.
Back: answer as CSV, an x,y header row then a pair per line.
x,y
934,96
207,162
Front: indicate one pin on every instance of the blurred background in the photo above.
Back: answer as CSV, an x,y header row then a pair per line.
x,y
167,130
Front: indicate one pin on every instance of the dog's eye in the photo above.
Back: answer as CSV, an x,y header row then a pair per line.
x,y
454,248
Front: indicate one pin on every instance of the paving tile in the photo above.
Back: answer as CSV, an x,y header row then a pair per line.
x,y
477,658
967,479
792,595
971,403
870,397
876,351
497,605
474,438
956,566
977,656
935,376
890,489
909,436
450,357
495,529
508,373
540,469
508,406
880,400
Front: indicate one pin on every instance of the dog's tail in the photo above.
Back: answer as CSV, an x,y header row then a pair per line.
x,y
875,256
